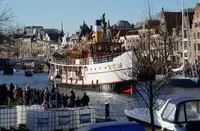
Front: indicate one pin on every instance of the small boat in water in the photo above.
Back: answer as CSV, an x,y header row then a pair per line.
x,y
183,81
28,72
176,114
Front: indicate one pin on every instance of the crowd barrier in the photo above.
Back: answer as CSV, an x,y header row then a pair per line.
x,y
36,119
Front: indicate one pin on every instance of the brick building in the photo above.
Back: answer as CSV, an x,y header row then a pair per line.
x,y
195,31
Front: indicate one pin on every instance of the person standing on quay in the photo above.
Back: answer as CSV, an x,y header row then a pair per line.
x,y
85,100
46,94
78,102
72,98
11,92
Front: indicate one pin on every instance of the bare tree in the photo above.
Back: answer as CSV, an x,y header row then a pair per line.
x,y
151,51
148,56
5,25
167,43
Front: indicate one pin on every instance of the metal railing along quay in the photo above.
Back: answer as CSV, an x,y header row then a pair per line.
x,y
27,59
35,118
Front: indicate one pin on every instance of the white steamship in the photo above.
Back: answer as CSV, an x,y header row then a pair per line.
x,y
102,64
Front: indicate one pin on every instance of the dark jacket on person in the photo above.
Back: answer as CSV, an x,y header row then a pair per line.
x,y
65,100
78,102
85,100
3,94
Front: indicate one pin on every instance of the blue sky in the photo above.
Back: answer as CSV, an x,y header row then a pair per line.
x,y
50,13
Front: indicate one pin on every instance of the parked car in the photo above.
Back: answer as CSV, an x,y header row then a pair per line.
x,y
113,126
175,114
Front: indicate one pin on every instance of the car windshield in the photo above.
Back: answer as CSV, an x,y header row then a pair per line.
x,y
169,112
192,111
160,104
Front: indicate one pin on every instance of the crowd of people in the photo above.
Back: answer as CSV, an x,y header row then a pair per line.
x,y
29,96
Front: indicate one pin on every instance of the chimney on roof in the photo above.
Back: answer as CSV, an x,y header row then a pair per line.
x,y
91,28
61,26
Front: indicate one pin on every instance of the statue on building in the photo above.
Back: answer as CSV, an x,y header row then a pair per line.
x,y
103,26
108,32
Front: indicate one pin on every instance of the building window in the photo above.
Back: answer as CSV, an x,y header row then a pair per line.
x,y
197,15
185,44
177,46
185,33
198,35
174,47
194,35
195,25
194,47
198,46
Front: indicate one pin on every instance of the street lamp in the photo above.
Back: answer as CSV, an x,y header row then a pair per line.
x,y
58,81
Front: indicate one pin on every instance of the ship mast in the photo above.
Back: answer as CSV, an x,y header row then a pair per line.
x,y
189,49
183,52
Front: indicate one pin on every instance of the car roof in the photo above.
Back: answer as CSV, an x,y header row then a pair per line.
x,y
176,101
92,127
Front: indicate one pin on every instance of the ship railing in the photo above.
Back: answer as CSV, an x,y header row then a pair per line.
x,y
85,61
105,58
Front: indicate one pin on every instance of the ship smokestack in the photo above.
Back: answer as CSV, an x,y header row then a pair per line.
x,y
98,31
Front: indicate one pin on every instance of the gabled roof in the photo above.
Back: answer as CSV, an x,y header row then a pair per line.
x,y
121,32
51,31
190,17
54,34
122,24
132,32
152,24
84,31
139,24
172,20
148,24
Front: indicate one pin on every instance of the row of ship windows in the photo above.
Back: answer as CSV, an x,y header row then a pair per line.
x,y
95,68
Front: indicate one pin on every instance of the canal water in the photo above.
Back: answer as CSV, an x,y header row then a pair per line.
x,y
118,102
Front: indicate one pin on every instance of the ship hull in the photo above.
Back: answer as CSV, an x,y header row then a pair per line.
x,y
115,75
118,87
184,82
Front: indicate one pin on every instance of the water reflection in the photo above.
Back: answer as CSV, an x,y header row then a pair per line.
x,y
118,102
